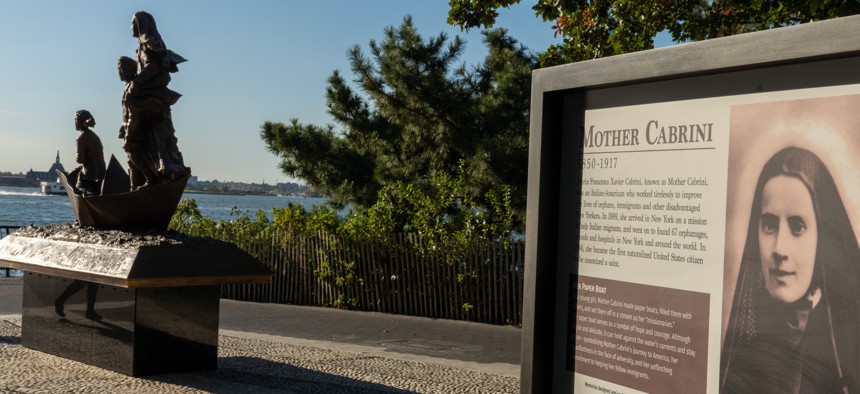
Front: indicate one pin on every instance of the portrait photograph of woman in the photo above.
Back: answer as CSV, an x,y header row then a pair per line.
x,y
791,305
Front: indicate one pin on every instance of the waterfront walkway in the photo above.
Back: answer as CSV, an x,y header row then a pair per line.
x,y
270,348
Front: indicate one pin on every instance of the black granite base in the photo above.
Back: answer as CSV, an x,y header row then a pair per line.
x,y
134,331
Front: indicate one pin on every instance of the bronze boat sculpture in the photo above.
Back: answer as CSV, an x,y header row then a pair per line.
x,y
119,208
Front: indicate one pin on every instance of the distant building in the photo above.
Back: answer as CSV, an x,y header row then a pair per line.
x,y
32,178
14,180
51,175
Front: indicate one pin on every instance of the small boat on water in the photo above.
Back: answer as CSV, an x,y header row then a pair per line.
x,y
49,188
117,208
52,188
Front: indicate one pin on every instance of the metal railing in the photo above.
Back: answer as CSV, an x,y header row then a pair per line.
x,y
4,231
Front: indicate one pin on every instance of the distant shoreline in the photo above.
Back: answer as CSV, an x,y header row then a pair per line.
x,y
229,192
245,193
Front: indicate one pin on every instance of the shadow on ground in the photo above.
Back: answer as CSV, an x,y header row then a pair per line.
x,y
250,374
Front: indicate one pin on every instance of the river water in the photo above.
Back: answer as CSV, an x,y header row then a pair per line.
x,y
22,206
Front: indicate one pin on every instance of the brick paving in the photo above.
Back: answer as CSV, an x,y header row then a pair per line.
x,y
283,348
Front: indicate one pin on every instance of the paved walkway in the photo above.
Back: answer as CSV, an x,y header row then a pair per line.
x,y
284,348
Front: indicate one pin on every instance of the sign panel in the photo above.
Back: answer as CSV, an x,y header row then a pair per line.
x,y
693,218
717,247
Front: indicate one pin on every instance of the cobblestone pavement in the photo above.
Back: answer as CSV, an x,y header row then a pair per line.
x,y
246,364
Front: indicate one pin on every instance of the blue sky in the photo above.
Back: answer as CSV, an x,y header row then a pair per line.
x,y
248,62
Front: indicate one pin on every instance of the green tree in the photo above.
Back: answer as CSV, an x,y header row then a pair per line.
x,y
596,28
417,111
439,212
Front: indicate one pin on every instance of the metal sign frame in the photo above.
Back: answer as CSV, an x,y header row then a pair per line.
x,y
810,55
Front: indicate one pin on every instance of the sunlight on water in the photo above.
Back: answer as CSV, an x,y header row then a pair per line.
x,y
16,193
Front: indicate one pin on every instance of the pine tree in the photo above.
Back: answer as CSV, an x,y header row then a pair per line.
x,y
416,112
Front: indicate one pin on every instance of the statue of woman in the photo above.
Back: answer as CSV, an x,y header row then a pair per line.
x,y
148,125
795,316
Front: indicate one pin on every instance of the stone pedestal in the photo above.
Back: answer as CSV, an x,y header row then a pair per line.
x,y
138,306
132,331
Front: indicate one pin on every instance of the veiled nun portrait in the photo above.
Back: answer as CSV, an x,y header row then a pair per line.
x,y
793,325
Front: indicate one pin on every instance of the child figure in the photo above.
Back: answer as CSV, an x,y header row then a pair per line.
x,y
138,144
90,155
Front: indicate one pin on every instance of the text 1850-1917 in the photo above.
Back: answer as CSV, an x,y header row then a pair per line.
x,y
601,163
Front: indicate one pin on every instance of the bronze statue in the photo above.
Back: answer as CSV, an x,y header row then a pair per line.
x,y
146,197
147,123
139,144
90,155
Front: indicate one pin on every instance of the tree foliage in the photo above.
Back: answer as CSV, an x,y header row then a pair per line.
x,y
416,111
598,28
438,213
